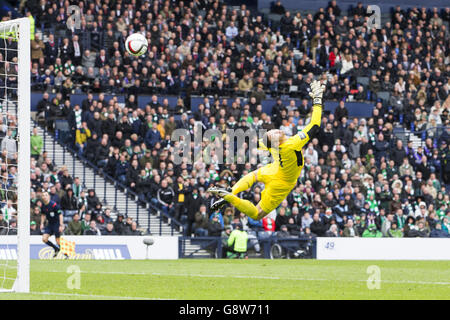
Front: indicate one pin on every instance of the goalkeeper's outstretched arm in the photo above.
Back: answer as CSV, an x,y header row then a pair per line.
x,y
312,129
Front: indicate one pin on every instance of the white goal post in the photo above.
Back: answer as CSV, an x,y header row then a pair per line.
x,y
15,100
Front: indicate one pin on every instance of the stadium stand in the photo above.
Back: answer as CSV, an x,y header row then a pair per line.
x,y
380,164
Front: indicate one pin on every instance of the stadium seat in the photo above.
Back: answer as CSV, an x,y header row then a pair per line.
x,y
274,17
363,80
384,96
264,11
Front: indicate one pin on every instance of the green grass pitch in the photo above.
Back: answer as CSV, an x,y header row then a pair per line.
x,y
235,280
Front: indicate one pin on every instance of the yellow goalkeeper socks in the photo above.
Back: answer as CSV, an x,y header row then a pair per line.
x,y
244,183
244,206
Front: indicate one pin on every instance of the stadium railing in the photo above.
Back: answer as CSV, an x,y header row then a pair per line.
x,y
141,213
437,134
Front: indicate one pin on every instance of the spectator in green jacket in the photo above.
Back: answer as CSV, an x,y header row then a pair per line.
x,y
36,144
372,232
238,242
394,231
74,227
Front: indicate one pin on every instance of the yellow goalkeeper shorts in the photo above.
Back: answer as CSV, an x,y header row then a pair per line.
x,y
275,191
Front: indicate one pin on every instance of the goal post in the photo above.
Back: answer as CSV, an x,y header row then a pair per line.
x,y
15,102
24,97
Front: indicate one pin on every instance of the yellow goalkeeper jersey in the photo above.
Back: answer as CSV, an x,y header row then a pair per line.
x,y
288,158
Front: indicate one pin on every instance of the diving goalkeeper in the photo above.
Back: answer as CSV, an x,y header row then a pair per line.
x,y
280,176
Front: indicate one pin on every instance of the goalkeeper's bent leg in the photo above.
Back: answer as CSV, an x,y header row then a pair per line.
x,y
244,183
244,206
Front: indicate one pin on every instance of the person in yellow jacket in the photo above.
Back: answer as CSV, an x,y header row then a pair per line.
x,y
32,25
280,176
81,136
160,127
237,242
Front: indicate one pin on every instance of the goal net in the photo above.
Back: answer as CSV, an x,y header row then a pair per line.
x,y
15,155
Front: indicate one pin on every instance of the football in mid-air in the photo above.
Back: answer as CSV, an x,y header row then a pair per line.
x,y
136,44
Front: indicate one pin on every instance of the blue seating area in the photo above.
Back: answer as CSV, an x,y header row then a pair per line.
x,y
355,109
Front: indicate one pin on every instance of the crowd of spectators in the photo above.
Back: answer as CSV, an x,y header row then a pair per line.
x,y
205,47
83,212
8,167
358,178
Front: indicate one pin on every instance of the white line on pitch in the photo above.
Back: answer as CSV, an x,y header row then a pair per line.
x,y
92,296
299,279
253,277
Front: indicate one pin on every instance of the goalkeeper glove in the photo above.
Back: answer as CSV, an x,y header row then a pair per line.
x,y
316,92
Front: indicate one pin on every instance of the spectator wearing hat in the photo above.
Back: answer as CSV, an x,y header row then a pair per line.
x,y
34,231
119,224
12,227
277,8
283,232
328,217
214,226
69,204
394,231
360,223
409,225
92,200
